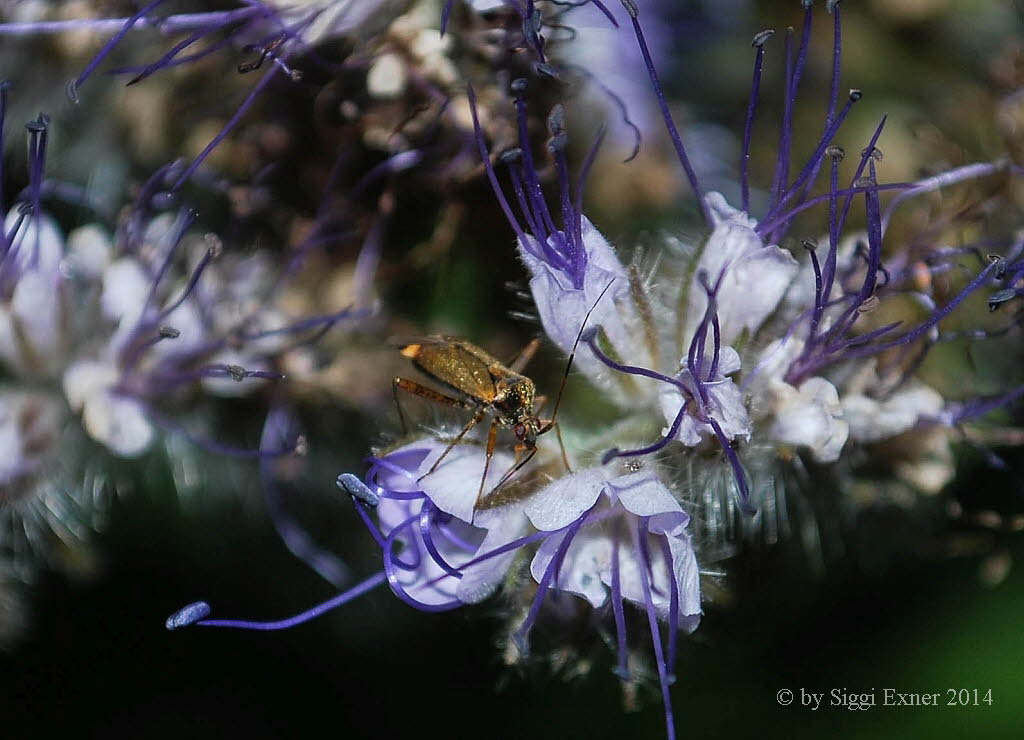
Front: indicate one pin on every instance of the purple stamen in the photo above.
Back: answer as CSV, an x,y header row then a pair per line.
x,y
615,452
622,669
280,429
673,606
589,338
652,621
831,259
486,159
446,12
227,128
180,619
737,468
513,157
755,88
931,184
520,635
645,555
581,183
819,302
677,141
211,254
918,331
109,46
396,584
981,406
414,551
865,157
209,445
812,163
786,129
766,226
426,521
186,217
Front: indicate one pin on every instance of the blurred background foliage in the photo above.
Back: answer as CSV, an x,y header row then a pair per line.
x,y
901,607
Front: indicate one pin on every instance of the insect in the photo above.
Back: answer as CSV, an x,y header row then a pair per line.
x,y
482,384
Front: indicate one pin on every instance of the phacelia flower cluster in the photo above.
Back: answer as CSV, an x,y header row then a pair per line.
x,y
764,347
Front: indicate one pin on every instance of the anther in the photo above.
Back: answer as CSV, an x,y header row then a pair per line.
x,y
547,70
869,305
358,490
187,616
237,372
810,245
875,153
1000,297
162,201
519,85
836,152
631,8
558,143
866,182
214,246
556,120
856,94
168,332
761,37
830,5
1000,262
509,156
39,125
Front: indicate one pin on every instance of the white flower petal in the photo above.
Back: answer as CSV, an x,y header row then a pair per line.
x,y
644,494
119,423
562,501
39,244
754,276
503,524
37,307
86,379
872,420
125,289
89,251
586,562
455,485
810,417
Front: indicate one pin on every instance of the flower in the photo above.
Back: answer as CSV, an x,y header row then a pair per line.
x,y
726,368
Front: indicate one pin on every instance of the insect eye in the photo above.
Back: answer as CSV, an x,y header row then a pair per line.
x,y
519,430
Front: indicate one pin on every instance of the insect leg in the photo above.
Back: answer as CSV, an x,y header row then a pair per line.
x,y
491,439
477,418
517,365
411,386
514,469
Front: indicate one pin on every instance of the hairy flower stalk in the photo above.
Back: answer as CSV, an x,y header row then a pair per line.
x,y
725,366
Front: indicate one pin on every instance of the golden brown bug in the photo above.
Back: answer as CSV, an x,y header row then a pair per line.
x,y
484,385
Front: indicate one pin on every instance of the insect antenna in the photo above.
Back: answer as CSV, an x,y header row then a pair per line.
x,y
551,423
572,356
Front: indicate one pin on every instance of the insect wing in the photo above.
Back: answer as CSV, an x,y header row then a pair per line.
x,y
455,363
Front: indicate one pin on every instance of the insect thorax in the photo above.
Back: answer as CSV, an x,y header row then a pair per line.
x,y
514,402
